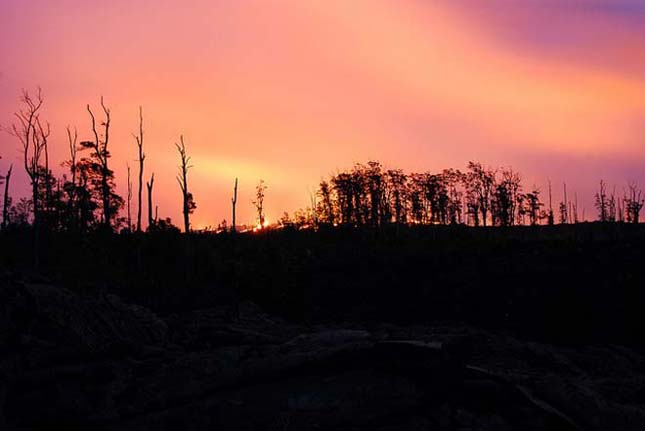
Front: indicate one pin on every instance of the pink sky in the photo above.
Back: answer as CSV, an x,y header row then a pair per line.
x,y
292,90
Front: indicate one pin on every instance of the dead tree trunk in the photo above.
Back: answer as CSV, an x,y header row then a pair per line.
x,y
102,155
142,157
49,203
550,216
234,202
5,204
259,202
33,139
566,205
182,179
72,167
149,186
129,200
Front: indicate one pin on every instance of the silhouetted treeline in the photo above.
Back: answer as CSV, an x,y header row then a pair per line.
x,y
84,198
368,195
365,196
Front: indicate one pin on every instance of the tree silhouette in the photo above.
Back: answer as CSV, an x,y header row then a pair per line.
x,y
533,205
110,201
149,185
70,187
129,199
326,211
550,216
33,137
6,199
398,185
259,202
602,202
187,198
342,184
505,200
564,211
453,178
47,180
379,208
481,182
633,203
234,203
141,159
612,207
84,189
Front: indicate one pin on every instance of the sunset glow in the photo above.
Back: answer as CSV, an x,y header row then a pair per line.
x,y
289,91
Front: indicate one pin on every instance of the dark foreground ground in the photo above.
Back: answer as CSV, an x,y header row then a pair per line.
x,y
428,329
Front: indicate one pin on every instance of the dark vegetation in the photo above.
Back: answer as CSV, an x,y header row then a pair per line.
x,y
561,283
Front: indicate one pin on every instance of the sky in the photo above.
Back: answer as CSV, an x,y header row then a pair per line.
x,y
291,91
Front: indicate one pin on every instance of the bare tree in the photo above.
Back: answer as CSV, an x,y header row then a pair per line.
x,y
46,174
28,131
187,197
141,158
574,210
533,205
312,210
102,155
6,199
326,210
149,185
481,182
611,216
564,211
259,201
129,199
505,197
633,203
72,163
602,202
33,137
550,217
234,203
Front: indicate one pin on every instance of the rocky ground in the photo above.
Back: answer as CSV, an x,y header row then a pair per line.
x,y
69,361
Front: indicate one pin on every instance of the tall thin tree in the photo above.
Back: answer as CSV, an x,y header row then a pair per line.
x,y
141,159
129,199
102,154
33,137
46,174
550,217
27,131
564,207
149,185
6,199
602,202
234,203
634,203
182,179
72,187
259,202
